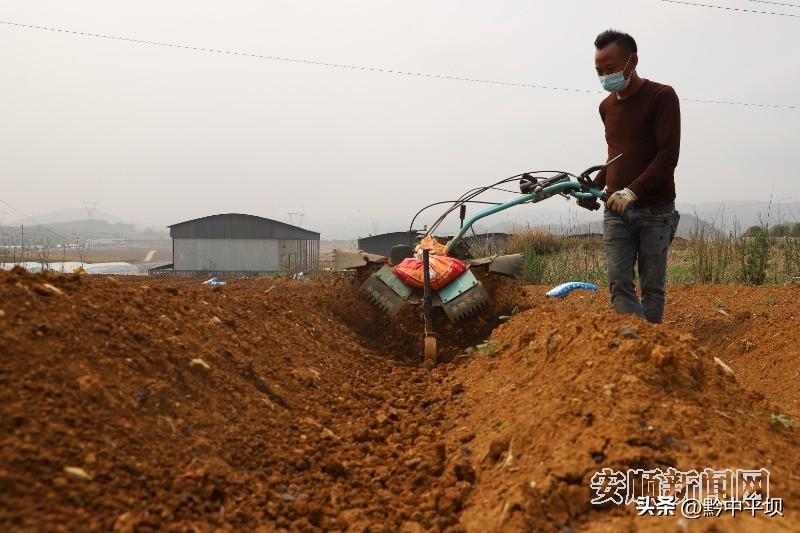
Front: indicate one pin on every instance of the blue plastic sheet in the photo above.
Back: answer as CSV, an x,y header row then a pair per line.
x,y
568,287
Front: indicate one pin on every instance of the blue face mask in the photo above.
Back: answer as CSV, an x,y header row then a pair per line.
x,y
616,82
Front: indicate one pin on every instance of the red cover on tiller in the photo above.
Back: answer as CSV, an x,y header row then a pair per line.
x,y
443,270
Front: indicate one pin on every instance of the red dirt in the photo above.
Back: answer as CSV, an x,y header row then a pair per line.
x,y
292,425
293,406
753,329
572,396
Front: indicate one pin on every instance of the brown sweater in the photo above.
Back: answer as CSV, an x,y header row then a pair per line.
x,y
646,129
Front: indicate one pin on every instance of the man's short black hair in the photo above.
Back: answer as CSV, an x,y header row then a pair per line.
x,y
613,36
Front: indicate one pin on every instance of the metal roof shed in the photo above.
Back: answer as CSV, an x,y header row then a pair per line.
x,y
382,244
242,244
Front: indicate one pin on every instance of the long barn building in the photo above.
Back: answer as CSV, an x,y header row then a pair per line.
x,y
237,244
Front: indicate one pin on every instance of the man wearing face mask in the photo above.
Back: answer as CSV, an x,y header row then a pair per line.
x,y
643,123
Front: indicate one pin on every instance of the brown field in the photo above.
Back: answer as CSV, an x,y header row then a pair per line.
x,y
131,253
140,404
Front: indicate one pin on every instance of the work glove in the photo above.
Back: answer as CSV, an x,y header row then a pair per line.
x,y
620,200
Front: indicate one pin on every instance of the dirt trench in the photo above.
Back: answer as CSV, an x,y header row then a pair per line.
x,y
141,404
401,337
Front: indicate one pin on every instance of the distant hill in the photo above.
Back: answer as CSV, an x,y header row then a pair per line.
x,y
576,221
77,230
728,215
688,223
73,225
67,215
558,217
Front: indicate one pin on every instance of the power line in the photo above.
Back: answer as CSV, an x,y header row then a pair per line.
x,y
66,239
748,104
728,8
776,3
370,69
299,60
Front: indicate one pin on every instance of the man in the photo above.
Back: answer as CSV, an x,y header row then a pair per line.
x,y
642,122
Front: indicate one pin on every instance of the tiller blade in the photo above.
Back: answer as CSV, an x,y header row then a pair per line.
x,y
386,291
463,297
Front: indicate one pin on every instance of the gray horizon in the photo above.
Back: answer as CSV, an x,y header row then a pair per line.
x,y
159,135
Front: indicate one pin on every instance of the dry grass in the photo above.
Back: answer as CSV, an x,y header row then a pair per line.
x,y
553,259
754,258
535,240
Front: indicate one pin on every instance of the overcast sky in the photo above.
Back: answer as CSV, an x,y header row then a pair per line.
x,y
159,135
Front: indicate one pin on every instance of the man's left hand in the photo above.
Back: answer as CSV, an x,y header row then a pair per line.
x,y
620,200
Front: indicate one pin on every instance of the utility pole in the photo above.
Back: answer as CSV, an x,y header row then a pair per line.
x,y
22,251
90,208
5,249
293,214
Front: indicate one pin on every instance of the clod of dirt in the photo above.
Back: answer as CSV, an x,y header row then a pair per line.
x,y
411,527
628,332
464,472
664,358
466,437
497,448
335,469
307,376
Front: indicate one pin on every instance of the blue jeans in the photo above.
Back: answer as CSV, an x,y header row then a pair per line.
x,y
640,235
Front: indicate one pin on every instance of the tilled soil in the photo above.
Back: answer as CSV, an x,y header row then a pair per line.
x,y
569,390
141,404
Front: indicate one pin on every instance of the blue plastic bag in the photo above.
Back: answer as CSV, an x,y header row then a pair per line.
x,y
568,287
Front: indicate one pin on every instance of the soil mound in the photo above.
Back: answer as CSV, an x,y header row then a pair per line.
x,y
753,329
142,404
749,328
551,400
